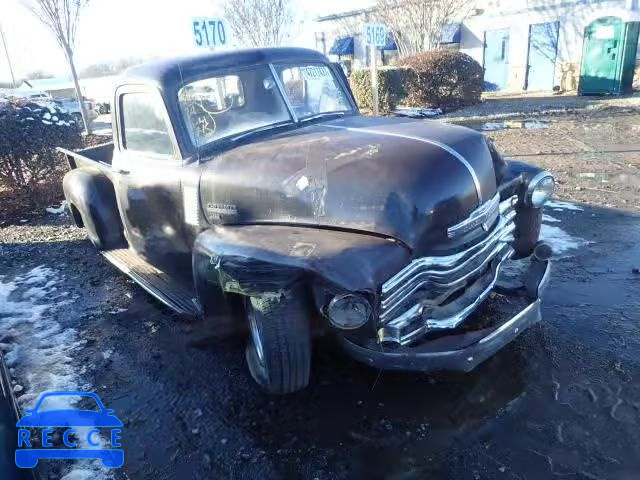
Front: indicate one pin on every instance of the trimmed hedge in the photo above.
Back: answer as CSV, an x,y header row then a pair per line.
x,y
445,79
30,168
391,87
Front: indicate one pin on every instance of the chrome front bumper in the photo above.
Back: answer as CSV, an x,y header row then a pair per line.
x,y
440,293
462,350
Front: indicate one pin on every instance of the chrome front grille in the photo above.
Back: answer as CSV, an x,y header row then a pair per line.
x,y
421,297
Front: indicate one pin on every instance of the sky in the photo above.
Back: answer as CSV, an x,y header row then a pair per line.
x,y
114,29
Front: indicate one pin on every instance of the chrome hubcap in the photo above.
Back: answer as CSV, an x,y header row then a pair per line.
x,y
256,338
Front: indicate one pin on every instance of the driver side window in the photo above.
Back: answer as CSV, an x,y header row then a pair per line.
x,y
144,128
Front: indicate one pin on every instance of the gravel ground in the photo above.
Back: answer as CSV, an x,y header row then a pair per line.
x,y
500,107
594,155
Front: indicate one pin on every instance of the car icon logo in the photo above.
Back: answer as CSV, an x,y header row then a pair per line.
x,y
69,420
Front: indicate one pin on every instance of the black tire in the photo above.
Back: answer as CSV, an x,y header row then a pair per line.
x,y
281,325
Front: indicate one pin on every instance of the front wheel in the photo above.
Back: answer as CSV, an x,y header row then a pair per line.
x,y
279,349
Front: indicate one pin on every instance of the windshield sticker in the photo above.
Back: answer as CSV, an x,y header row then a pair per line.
x,y
313,73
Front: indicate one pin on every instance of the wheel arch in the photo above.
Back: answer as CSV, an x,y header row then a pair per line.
x,y
254,260
93,205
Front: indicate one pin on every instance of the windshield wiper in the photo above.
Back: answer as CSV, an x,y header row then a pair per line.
x,y
260,129
321,115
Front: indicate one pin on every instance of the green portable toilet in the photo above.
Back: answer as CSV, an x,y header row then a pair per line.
x,y
608,57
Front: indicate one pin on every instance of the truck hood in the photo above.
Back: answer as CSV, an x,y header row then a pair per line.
x,y
407,179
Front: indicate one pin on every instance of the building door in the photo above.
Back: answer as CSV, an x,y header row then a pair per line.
x,y
496,59
543,50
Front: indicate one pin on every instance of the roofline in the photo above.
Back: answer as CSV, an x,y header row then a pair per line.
x,y
351,13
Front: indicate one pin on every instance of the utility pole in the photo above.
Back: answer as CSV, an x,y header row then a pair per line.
x,y
6,52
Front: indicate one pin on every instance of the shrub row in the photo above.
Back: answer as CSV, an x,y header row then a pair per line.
x,y
392,83
445,79
30,168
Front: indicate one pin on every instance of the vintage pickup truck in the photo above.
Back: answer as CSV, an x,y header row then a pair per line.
x,y
247,185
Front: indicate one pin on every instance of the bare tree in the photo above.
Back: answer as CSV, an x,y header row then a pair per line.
x,y
418,25
62,17
259,23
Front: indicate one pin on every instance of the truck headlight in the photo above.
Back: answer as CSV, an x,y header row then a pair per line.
x,y
541,189
349,311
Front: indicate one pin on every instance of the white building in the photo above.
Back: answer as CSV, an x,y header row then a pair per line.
x,y
536,44
522,44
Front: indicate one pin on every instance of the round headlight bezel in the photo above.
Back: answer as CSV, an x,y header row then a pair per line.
x,y
340,303
539,184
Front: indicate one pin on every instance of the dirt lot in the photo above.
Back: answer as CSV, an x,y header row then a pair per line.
x,y
562,401
595,155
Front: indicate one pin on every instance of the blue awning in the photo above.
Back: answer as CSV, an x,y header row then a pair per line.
x,y
451,33
342,46
390,45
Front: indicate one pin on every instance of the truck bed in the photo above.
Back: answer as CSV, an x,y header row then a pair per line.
x,y
101,155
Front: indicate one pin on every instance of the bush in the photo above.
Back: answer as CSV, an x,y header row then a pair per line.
x,y
391,87
443,78
30,168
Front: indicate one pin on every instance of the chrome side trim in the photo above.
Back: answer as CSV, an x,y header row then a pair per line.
x,y
441,145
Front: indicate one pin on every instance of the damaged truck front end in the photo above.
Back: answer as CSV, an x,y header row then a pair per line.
x,y
390,308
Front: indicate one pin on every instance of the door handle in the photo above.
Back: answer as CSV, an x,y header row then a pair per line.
x,y
122,171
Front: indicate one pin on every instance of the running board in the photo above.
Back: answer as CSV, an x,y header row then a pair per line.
x,y
154,281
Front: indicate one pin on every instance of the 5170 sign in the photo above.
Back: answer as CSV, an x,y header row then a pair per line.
x,y
210,32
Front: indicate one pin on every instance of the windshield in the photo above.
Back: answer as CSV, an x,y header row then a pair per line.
x,y
312,89
228,105
236,103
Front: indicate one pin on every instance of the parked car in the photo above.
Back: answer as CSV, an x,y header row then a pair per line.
x,y
248,182
72,106
103,108
33,96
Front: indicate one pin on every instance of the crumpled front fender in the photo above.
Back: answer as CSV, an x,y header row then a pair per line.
x,y
258,259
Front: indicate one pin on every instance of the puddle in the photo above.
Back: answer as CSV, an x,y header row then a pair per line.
x,y
532,124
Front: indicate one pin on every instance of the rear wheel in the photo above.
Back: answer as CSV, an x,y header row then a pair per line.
x,y
279,349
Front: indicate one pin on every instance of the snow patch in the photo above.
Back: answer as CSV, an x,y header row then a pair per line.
x,y
561,241
57,210
549,219
558,205
39,350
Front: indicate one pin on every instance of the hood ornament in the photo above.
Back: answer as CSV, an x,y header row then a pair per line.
x,y
484,216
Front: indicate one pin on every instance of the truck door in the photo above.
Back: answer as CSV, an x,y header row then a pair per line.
x,y
148,180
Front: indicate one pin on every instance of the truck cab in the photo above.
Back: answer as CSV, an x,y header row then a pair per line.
x,y
249,181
